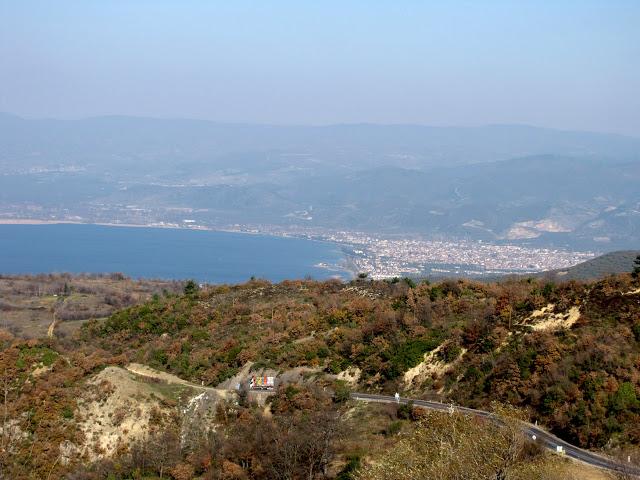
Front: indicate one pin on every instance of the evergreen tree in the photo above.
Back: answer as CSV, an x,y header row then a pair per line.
x,y
191,288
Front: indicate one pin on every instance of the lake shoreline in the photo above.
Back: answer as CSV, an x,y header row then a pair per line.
x,y
228,256
346,265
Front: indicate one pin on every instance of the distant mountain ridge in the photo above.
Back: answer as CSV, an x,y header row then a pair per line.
x,y
412,146
519,184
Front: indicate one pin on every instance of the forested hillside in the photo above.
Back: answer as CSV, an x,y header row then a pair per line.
x,y
566,355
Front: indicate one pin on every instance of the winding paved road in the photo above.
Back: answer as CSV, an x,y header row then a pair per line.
x,y
546,439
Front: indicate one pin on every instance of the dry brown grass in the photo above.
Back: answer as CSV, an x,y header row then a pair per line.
x,y
29,304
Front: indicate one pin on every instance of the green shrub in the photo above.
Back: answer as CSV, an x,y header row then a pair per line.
x,y
191,288
636,331
198,335
409,354
290,391
225,374
233,352
526,361
393,428
624,398
342,392
31,355
435,292
49,357
554,397
405,411
349,470
323,352
410,282
338,365
159,357
449,352
398,303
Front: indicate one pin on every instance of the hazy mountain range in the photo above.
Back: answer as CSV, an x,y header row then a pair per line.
x,y
499,183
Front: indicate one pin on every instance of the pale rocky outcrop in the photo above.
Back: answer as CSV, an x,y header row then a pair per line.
x,y
432,366
547,319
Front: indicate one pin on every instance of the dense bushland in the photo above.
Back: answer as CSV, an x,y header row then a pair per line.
x,y
583,382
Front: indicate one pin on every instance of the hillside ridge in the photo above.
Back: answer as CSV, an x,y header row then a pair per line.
x,y
564,354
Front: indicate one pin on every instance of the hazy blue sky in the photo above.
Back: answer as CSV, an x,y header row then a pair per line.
x,y
569,64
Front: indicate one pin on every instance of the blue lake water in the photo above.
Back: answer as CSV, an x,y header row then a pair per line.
x,y
215,257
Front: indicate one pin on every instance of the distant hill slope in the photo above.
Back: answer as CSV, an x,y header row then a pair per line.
x,y
607,264
120,140
494,183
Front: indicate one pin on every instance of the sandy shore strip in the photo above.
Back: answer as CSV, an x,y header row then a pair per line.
x,y
30,221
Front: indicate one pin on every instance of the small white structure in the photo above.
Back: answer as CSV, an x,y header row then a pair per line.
x,y
397,396
559,449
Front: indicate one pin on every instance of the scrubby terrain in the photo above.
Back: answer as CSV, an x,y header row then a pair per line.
x,y
153,388
35,305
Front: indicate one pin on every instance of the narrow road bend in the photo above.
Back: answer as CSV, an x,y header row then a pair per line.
x,y
546,439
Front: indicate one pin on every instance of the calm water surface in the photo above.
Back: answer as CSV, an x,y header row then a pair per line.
x,y
216,257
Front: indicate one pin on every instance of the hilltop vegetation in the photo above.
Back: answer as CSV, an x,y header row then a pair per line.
x,y
578,378
567,355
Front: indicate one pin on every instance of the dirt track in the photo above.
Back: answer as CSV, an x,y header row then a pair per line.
x,y
145,371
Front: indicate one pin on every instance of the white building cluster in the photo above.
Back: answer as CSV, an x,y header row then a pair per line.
x,y
384,257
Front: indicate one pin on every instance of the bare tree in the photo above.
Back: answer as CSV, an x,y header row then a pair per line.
x,y
11,432
163,451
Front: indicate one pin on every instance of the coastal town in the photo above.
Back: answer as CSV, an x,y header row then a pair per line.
x,y
377,254
384,258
